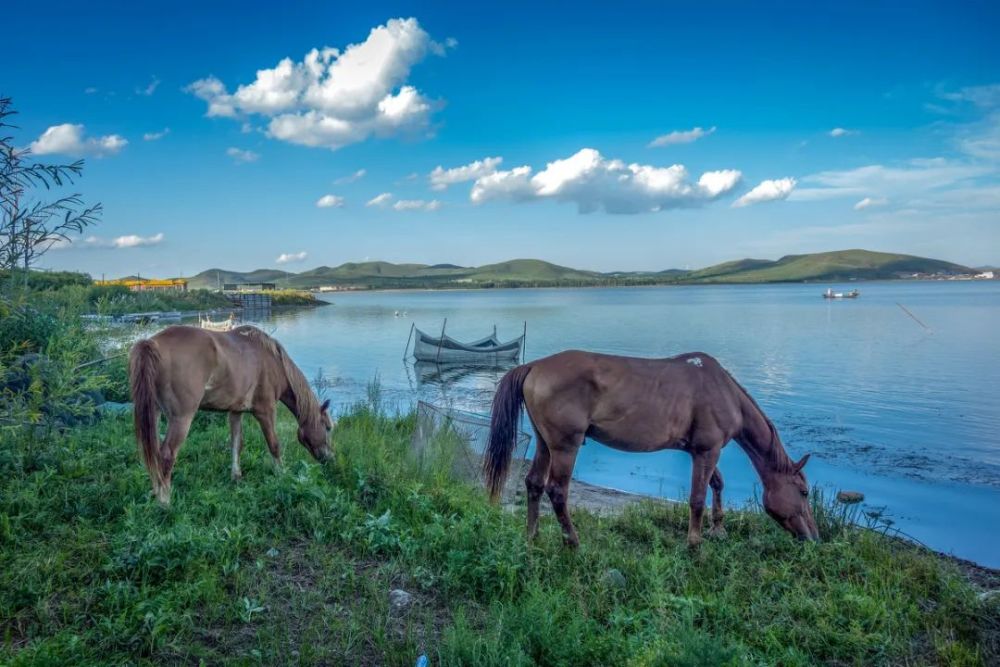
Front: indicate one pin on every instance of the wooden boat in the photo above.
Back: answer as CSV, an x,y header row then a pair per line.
x,y
830,294
445,349
219,325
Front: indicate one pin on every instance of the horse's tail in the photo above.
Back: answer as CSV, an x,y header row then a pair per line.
x,y
504,421
143,368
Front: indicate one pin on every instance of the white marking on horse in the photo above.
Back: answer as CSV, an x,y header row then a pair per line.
x,y
695,361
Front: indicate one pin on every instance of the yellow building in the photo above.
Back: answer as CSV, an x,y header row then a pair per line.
x,y
148,284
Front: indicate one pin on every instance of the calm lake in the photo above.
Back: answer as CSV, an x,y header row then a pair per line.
x,y
906,414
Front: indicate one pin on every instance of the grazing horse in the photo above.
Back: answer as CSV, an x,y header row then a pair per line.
x,y
183,369
688,402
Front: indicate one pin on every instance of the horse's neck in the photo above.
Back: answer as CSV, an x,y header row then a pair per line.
x,y
296,404
761,442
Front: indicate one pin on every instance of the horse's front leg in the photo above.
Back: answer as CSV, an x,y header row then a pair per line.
x,y
715,481
266,420
236,442
703,463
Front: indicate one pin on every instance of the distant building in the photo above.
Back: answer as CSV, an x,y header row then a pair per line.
x,y
249,287
985,275
148,284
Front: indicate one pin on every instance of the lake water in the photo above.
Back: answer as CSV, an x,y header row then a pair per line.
x,y
907,415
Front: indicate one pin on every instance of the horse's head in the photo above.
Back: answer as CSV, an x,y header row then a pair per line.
x,y
786,500
314,434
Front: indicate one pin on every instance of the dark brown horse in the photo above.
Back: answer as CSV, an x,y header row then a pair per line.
x,y
687,402
182,370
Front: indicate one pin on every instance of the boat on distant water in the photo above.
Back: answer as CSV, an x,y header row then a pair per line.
x,y
445,349
830,294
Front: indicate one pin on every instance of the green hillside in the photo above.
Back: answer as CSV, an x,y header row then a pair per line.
x,y
212,278
530,270
837,265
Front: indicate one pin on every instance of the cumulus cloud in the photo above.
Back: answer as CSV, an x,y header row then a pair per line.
x,y
241,156
291,257
329,201
594,182
155,136
868,202
380,200
417,205
680,137
118,243
769,190
333,98
838,132
356,176
441,178
69,139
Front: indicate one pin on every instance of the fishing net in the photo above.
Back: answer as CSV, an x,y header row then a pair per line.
x,y
452,442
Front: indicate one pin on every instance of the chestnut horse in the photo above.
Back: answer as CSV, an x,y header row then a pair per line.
x,y
184,369
688,402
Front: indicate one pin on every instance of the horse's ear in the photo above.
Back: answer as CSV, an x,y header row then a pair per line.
x,y
325,405
802,463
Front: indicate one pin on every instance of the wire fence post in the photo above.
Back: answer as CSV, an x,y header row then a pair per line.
x,y
408,339
441,340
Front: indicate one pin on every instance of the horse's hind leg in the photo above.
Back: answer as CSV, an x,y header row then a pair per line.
x,y
560,472
715,481
177,431
535,483
236,442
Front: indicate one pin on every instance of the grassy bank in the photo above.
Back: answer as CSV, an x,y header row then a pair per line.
x,y
296,567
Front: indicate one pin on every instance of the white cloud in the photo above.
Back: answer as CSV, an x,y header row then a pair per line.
x,y
242,156
90,90
441,178
291,257
329,201
868,202
680,137
769,190
417,205
333,98
838,132
380,200
147,91
154,136
356,176
69,139
594,182
119,243
911,177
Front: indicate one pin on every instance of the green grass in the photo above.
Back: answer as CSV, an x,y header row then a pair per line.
x,y
295,568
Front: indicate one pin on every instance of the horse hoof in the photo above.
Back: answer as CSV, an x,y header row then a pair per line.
x,y
718,533
571,542
237,476
694,542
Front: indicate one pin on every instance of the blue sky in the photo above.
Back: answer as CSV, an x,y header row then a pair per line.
x,y
629,136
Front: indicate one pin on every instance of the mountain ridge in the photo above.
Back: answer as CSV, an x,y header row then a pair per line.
x,y
839,265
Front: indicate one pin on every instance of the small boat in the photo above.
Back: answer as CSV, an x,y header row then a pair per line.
x,y
830,294
445,349
219,325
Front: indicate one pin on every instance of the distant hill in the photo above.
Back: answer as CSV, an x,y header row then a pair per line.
x,y
837,265
826,266
212,278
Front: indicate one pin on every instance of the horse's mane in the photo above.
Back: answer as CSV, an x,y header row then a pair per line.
x,y
775,453
306,402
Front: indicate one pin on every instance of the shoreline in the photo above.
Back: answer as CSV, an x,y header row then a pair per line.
x,y
645,286
607,502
